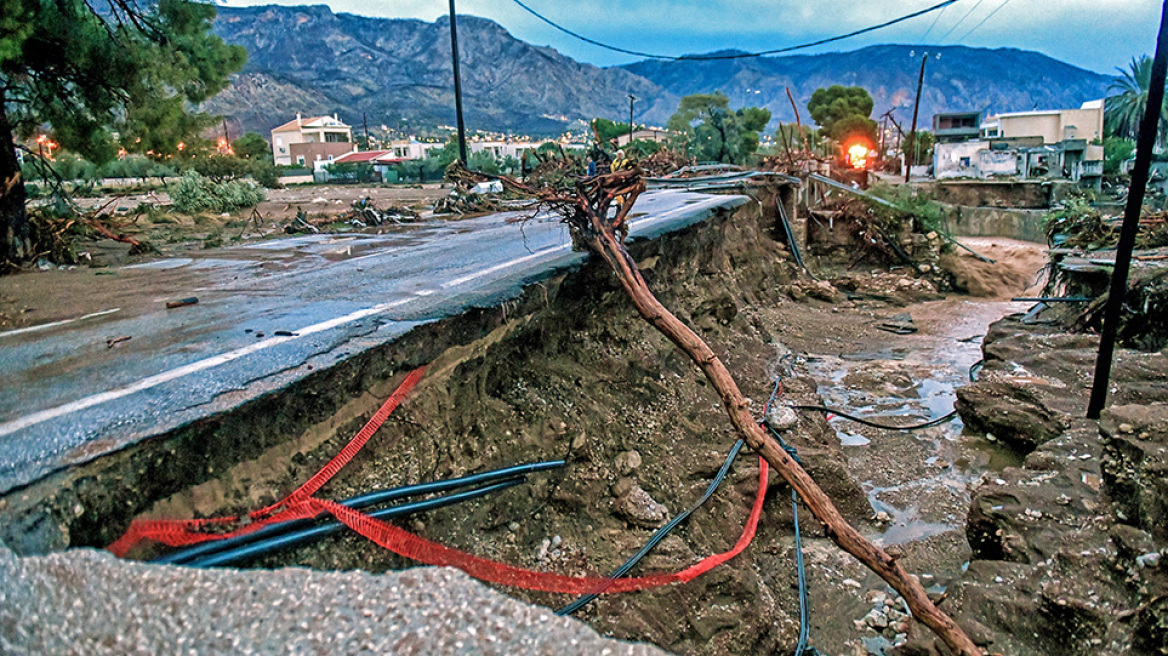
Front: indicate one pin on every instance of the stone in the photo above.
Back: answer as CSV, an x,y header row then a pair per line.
x,y
1012,412
637,507
781,417
627,462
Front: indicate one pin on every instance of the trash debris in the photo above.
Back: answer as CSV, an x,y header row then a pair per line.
x,y
488,187
111,342
901,324
182,303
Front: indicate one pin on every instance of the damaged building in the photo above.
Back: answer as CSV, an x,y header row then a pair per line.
x,y
1040,144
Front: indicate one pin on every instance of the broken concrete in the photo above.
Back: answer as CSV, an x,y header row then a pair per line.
x,y
89,602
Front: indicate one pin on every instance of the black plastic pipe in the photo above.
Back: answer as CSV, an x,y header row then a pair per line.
x,y
307,535
357,503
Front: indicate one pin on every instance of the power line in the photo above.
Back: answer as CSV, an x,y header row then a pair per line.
x,y
744,55
958,23
934,24
966,35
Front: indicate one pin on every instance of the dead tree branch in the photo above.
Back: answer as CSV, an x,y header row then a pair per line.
x,y
598,224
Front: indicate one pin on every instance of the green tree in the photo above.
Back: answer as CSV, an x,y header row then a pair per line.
x,y
609,130
85,67
843,112
1124,111
711,131
252,146
1116,150
922,154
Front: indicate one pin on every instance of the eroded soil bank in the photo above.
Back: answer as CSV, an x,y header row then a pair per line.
x,y
569,371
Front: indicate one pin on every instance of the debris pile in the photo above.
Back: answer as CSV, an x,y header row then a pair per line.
x,y
1083,255
664,162
362,213
1079,226
860,232
55,231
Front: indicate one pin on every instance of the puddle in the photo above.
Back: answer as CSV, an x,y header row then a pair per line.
x,y
917,481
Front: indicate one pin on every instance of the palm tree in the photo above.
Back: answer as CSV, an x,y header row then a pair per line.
x,y
1125,109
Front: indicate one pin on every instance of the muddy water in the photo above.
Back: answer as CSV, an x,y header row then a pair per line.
x,y
917,483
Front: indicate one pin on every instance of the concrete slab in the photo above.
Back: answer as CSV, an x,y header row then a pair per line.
x,y
88,602
268,314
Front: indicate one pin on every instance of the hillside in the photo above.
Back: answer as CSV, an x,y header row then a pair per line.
x,y
398,72
961,79
313,60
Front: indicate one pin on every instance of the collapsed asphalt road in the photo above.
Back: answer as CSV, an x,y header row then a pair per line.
x,y
267,315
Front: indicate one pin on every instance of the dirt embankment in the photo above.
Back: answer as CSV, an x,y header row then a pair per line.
x,y
576,374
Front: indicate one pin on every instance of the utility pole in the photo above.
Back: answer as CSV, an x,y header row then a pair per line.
x,y
631,99
908,158
365,122
1131,222
457,86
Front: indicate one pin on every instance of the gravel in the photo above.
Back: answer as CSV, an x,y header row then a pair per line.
x,y
88,602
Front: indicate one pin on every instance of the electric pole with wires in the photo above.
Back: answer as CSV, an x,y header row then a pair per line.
x,y
631,99
457,86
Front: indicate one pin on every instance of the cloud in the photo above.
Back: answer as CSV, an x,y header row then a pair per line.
x,y
1095,34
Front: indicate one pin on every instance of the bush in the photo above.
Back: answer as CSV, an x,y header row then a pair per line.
x,y
267,176
194,193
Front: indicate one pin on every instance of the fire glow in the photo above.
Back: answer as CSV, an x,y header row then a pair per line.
x,y
858,156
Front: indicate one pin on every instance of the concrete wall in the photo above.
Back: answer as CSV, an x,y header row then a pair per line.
x,y
957,160
996,222
1008,194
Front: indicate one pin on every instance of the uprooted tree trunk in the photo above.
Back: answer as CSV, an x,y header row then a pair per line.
x,y
587,216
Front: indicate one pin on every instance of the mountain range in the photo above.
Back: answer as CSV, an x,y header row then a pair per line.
x,y
398,72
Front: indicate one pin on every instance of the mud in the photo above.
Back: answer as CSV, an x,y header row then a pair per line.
x,y
569,371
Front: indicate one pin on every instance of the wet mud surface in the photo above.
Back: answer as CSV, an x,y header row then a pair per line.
x,y
569,371
579,376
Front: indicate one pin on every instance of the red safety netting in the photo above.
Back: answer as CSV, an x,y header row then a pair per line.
x,y
411,546
301,504
185,532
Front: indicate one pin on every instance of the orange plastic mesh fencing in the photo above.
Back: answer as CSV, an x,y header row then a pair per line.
x,y
417,548
301,504
185,532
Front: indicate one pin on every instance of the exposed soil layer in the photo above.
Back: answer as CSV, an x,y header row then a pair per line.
x,y
569,371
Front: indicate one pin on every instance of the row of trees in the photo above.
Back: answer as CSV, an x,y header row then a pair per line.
x,y
92,67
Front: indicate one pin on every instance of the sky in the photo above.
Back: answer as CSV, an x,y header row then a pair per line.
x,y
1099,35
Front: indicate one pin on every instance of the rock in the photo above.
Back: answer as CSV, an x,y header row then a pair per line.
x,y
781,417
1013,413
636,506
1135,464
628,462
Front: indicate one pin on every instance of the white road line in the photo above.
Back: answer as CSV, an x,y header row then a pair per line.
x,y
10,427
46,326
505,265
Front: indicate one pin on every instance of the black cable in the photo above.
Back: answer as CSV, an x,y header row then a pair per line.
x,y
298,538
928,424
801,647
657,537
357,503
742,55
958,23
974,368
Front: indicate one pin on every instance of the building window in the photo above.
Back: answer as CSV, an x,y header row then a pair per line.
x,y
335,137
